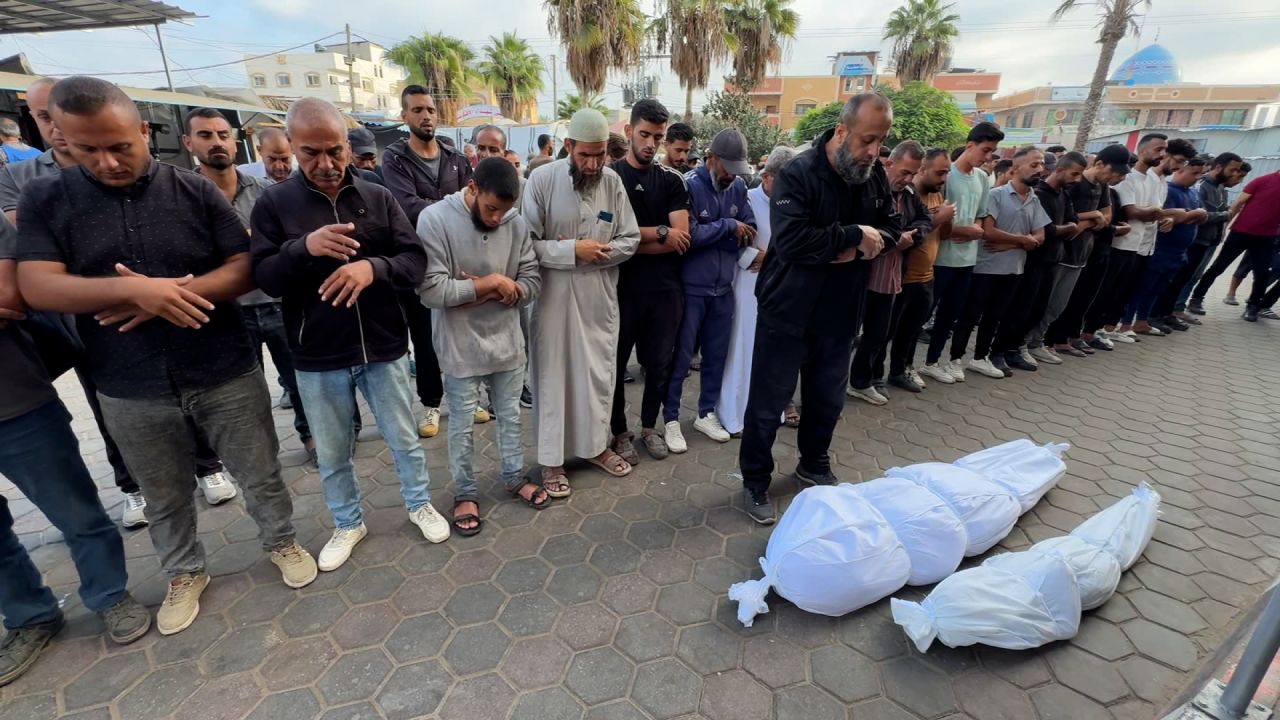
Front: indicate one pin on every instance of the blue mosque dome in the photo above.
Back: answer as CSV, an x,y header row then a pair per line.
x,y
1152,65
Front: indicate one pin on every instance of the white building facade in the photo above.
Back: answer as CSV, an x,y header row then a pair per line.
x,y
323,73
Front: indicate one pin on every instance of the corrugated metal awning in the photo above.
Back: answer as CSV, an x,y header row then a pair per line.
x,y
32,16
19,82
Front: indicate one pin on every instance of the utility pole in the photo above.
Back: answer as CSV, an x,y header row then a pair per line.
x,y
351,69
555,90
160,41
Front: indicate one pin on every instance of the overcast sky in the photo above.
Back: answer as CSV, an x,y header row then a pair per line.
x,y
1237,45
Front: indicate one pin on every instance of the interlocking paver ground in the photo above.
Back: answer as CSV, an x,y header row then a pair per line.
x,y
612,605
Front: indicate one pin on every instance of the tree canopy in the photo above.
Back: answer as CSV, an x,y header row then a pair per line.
x,y
734,109
817,121
925,114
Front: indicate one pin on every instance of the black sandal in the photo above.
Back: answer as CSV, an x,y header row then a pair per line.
x,y
531,501
466,531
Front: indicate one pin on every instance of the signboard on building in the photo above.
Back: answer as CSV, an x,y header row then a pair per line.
x,y
1017,137
857,65
475,112
1069,94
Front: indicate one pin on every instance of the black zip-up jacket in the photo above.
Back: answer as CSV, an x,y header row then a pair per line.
x,y
405,175
321,336
814,215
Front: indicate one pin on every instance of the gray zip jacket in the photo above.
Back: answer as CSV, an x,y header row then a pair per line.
x,y
486,338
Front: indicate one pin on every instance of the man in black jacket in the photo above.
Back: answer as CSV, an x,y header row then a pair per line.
x,y
337,250
420,170
831,213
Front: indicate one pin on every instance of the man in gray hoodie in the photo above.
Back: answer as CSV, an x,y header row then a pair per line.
x,y
481,268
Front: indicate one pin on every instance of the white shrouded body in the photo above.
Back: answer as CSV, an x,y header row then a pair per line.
x,y
1126,527
933,536
1024,468
987,510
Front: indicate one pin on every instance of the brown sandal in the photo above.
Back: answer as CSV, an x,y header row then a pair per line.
x,y
791,417
612,463
532,501
556,483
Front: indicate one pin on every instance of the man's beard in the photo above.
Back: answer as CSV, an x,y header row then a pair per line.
x,y
721,184
478,221
849,169
219,162
1032,181
583,183
423,135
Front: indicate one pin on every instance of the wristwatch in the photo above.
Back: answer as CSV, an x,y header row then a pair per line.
x,y
662,234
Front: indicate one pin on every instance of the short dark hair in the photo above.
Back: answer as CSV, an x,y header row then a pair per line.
x,y
649,110
956,153
1072,158
203,112
411,90
906,149
83,95
1181,148
1246,168
932,153
497,176
985,132
885,152
1196,161
679,132
1133,159
1026,150
1056,149
475,136
1003,165
543,141
1152,136
856,102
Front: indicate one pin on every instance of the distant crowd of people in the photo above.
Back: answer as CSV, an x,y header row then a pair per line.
x,y
822,268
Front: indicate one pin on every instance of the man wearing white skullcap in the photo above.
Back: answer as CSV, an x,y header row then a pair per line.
x,y
583,228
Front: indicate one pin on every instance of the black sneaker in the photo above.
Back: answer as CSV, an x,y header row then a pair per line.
x,y
526,397
1196,307
1001,364
1175,323
924,337
126,621
1162,326
827,478
906,382
1015,360
759,508
628,378
20,648
1250,313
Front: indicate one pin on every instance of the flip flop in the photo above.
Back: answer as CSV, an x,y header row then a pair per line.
x,y
557,478
612,464
456,518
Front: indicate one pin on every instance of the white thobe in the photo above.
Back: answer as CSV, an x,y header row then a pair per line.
x,y
732,407
574,333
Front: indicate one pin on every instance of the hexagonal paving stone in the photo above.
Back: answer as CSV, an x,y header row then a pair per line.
x,y
365,625
1166,611
1057,702
636,507
298,662
373,584
30,707
422,558
708,648
536,662
807,629
230,697
1150,681
699,542
666,688
735,696
666,567
418,637
530,614
562,550
414,690
241,650
160,693
1161,644
917,687
645,637
261,604
599,675
987,697
312,614
620,710
574,584
603,527
628,594
880,709
477,648
617,557
586,626
106,679
650,534
685,604
775,661
549,704
190,643
523,575
355,676
805,702
873,635
486,696
473,604
844,673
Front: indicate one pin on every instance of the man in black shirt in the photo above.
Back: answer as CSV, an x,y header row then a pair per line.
x,y
650,295
162,253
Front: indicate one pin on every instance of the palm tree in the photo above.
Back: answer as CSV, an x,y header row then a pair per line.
x,y
598,36
697,34
763,31
922,32
440,63
573,103
513,70
1118,18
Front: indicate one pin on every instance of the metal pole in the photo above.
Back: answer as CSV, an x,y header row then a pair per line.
x,y
160,41
351,69
1254,662
555,90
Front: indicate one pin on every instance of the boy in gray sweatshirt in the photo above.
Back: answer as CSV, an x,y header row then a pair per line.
x,y
481,269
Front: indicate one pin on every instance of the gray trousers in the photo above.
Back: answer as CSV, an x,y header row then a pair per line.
x,y
1064,283
156,444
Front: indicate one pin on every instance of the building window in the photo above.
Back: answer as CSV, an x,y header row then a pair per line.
x,y
1008,120
1222,117
333,80
1125,118
258,79
804,107
313,80
1027,118
284,80
366,84
377,70
770,109
1170,118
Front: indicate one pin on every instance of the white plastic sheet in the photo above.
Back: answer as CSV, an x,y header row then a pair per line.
x,y
831,553
1126,527
987,510
933,536
1014,601
1097,570
1026,469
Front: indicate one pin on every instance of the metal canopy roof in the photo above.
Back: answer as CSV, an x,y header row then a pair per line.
x,y
32,16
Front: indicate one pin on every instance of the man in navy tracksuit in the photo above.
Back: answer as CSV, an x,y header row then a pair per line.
x,y
721,223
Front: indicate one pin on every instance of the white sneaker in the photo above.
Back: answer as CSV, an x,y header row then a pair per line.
x,y
915,377
1028,358
937,372
710,426
985,367
675,437
1127,338
954,370
338,549
869,394
1046,355
1106,341
134,514
216,487
432,524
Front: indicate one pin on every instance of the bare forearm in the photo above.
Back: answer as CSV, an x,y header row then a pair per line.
x,y
51,288
966,232
228,282
10,298
996,235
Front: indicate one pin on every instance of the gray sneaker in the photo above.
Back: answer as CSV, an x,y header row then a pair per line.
x,y
759,508
126,621
20,648
655,445
827,478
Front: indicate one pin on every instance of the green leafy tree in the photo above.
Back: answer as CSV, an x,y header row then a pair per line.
x,y
513,70
816,121
925,114
1119,18
573,103
734,109
762,30
922,33
441,64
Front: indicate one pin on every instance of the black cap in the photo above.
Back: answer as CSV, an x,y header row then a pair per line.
x,y
362,142
1117,156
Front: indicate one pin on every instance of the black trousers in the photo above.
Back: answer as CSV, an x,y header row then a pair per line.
x,y
950,293
873,343
988,303
1169,298
1070,324
1112,295
910,311
649,323
1269,299
779,359
1258,248
430,384
1030,300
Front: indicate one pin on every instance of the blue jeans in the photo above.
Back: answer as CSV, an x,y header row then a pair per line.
x,y
1155,280
330,398
707,323
40,455
464,395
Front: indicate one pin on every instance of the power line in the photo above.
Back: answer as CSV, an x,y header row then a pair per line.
x,y
223,64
